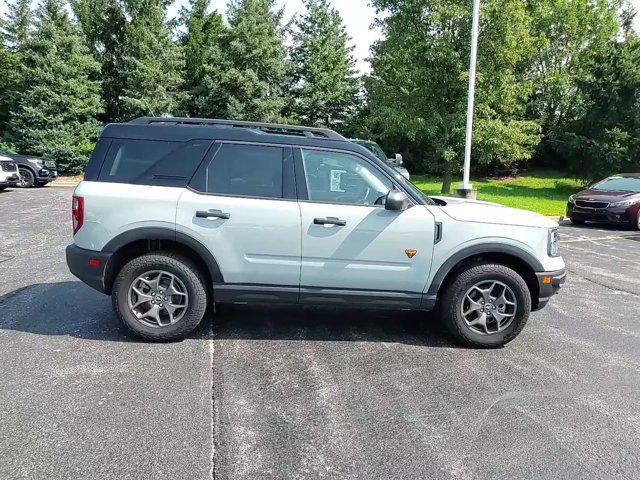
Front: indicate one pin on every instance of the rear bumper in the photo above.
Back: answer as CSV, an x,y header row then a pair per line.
x,y
549,283
89,266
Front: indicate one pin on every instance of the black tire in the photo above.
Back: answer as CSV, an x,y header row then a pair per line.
x,y
2,189
577,220
450,308
185,271
28,178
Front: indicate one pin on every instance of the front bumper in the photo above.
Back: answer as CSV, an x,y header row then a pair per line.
x,y
549,283
604,215
10,181
46,175
89,266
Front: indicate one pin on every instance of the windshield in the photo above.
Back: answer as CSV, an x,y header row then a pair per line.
x,y
618,182
373,148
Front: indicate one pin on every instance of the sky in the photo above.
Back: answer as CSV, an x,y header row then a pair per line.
x,y
357,16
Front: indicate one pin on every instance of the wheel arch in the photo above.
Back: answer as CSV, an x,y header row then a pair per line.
x,y
516,258
133,243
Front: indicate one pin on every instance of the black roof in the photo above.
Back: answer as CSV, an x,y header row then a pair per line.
x,y
186,129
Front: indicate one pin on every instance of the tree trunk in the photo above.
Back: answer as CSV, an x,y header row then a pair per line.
x,y
446,181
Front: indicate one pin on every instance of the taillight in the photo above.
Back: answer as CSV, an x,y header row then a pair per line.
x,y
77,212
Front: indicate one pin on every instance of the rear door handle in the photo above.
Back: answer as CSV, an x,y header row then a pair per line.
x,y
330,221
211,214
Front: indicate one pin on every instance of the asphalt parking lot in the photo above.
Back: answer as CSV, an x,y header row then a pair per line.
x,y
299,393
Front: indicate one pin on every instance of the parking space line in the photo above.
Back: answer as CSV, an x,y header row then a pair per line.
x,y
597,239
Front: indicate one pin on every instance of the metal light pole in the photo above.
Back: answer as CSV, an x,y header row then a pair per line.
x,y
466,189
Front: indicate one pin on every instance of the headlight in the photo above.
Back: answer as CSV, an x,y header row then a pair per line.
x,y
572,199
553,242
624,203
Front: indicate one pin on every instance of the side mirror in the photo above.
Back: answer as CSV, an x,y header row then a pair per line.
x,y
396,200
399,160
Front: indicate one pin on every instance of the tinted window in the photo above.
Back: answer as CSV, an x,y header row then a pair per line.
x,y
343,178
152,162
248,170
630,184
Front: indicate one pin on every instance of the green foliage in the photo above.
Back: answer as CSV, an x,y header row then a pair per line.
x,y
324,83
18,24
151,61
418,90
566,34
605,139
10,68
204,44
140,62
59,99
255,77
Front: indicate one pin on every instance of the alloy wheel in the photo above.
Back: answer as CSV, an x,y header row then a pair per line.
x,y
158,298
489,307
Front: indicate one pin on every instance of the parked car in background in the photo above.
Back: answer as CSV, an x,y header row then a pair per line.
x,y
8,173
374,148
34,171
613,200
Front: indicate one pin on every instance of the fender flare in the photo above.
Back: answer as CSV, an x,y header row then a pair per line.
x,y
167,234
480,249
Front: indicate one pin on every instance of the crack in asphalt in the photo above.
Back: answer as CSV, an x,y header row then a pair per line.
x,y
608,287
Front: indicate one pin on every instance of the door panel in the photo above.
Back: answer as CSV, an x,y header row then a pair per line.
x,y
258,244
369,251
242,207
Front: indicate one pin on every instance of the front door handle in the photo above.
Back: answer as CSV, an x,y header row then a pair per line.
x,y
330,221
211,214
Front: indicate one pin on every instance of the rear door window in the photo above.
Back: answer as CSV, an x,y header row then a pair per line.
x,y
150,162
245,170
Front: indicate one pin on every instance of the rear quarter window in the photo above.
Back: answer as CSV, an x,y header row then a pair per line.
x,y
151,162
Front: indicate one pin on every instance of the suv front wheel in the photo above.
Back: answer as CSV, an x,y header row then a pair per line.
x,y
160,296
486,306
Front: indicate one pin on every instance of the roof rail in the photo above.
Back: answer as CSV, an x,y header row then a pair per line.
x,y
274,128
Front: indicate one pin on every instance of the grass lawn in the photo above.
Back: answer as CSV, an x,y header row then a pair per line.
x,y
542,191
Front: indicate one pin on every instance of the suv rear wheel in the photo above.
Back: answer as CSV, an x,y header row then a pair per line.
x,y
160,296
486,306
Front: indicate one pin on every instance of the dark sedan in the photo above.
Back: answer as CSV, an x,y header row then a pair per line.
x,y
613,200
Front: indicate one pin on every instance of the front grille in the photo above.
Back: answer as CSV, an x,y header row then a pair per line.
x,y
50,164
8,166
591,204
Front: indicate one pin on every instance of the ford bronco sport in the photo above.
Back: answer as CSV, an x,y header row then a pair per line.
x,y
177,214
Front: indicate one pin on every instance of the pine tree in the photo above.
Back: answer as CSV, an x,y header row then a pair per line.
x,y
9,66
205,63
18,24
325,85
104,26
140,63
59,98
256,54
151,62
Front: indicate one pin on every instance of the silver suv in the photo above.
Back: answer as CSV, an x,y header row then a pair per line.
x,y
177,214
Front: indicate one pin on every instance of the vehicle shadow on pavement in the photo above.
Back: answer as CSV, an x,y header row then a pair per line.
x,y
74,309
329,325
65,308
